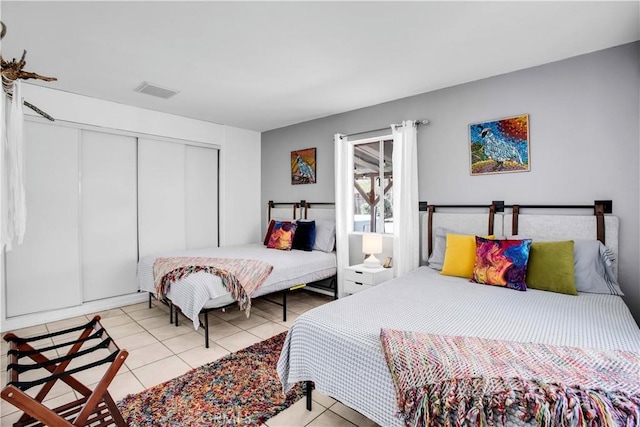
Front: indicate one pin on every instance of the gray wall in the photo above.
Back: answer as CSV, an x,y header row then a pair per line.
x,y
584,140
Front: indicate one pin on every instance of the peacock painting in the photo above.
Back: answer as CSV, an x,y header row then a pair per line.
x,y
500,145
303,166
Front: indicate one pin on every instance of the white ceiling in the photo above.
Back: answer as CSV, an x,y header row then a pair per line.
x,y
264,65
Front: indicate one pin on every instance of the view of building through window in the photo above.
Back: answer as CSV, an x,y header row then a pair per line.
x,y
373,186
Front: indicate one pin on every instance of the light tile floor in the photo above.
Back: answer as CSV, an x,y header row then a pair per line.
x,y
159,351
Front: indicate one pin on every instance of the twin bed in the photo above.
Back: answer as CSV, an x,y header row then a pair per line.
x,y
201,292
338,346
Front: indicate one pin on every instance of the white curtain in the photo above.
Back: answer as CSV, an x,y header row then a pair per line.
x,y
344,203
4,105
13,205
406,232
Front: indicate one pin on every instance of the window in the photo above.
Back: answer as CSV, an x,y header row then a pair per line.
x,y
373,185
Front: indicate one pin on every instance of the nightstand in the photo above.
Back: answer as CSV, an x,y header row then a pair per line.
x,y
358,277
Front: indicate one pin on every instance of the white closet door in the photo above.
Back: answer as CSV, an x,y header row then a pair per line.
x,y
161,196
201,176
44,272
109,215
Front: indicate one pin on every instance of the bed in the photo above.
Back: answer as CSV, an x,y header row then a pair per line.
x,y
201,291
337,346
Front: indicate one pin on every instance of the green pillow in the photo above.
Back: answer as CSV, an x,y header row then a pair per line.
x,y
551,267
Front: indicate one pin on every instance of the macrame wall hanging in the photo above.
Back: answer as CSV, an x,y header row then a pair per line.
x,y
13,71
13,207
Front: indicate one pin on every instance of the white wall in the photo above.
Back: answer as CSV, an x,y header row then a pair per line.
x,y
239,169
584,137
91,111
240,207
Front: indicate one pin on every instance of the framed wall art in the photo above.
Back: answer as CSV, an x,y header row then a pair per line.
x,y
303,166
500,146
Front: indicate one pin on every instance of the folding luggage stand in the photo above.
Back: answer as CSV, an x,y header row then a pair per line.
x,y
95,408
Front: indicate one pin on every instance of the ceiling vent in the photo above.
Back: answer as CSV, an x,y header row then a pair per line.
x,y
155,90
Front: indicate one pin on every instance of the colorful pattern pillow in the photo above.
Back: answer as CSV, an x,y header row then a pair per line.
x,y
305,235
282,235
502,262
270,229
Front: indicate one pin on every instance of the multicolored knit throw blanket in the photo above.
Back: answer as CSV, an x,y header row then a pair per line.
x,y
456,381
240,277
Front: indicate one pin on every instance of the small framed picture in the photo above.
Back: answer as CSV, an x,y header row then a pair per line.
x,y
303,166
387,263
500,146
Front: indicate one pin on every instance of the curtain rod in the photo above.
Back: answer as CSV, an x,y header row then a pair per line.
x,y
417,122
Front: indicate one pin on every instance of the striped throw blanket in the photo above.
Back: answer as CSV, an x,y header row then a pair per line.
x,y
240,277
455,381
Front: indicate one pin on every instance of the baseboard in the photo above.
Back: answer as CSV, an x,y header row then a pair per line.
x,y
27,320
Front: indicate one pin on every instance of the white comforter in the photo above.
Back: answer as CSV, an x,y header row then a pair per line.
x,y
203,290
338,345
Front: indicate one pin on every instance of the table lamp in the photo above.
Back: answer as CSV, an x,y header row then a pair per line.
x,y
372,244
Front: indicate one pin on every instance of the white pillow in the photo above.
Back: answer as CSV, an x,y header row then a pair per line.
x,y
325,236
436,259
592,265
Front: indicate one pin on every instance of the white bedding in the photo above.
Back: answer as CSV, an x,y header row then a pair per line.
x,y
203,290
337,345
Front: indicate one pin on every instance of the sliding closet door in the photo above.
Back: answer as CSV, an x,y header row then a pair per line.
x,y
44,272
178,196
201,179
109,215
161,196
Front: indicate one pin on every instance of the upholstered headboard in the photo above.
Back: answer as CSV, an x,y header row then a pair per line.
x,y
318,210
564,226
571,222
467,219
282,210
301,210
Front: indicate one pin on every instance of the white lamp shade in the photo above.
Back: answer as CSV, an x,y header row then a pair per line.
x,y
372,243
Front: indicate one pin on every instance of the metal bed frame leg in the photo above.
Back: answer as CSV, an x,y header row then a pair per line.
x,y
308,389
206,329
149,299
174,317
284,306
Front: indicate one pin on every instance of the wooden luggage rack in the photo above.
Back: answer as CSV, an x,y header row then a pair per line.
x,y
95,407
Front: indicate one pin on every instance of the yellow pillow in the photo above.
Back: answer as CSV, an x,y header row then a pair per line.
x,y
460,255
